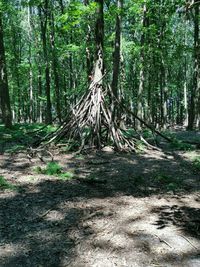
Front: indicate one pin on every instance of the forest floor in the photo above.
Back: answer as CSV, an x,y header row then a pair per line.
x,y
124,210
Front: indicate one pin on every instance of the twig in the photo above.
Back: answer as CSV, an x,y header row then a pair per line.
x,y
163,241
188,241
42,215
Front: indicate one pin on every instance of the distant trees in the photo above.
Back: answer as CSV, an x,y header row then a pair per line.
x,y
151,58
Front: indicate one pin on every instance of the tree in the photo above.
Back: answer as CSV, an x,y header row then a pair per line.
x,y
117,49
43,14
4,91
194,110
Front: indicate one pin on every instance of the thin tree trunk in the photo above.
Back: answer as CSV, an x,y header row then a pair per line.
x,y
43,23
55,64
116,58
99,36
195,95
89,58
185,123
141,75
165,95
30,67
197,61
4,90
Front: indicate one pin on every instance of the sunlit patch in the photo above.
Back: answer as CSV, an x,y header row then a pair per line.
x,y
54,216
8,250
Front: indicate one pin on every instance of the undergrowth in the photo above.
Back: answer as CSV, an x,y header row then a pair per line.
x,y
6,185
196,163
54,169
179,145
168,182
20,136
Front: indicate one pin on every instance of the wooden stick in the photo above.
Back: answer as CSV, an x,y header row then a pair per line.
x,y
163,241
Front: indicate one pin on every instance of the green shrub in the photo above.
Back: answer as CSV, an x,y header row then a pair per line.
x,y
53,168
196,163
39,170
172,186
6,185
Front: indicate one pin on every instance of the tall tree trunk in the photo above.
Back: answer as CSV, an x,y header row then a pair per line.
x,y
40,93
164,96
116,57
185,103
141,75
55,63
197,61
99,36
43,23
4,90
195,91
97,81
89,58
31,108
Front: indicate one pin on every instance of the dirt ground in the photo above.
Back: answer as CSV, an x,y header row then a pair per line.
x,y
116,211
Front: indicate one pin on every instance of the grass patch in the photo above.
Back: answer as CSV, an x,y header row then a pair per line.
x,y
54,169
4,185
66,176
168,182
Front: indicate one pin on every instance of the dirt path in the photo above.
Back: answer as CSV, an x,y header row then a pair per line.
x,y
119,210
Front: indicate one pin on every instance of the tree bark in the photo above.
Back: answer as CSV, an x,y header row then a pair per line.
x,y
4,90
99,37
55,63
116,57
197,61
43,23
141,75
195,91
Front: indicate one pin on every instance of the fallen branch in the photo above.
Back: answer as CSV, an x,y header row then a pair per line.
x,y
188,241
163,241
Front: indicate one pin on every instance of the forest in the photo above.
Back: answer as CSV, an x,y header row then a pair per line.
x,y
99,133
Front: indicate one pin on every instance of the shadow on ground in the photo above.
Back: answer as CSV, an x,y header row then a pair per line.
x,y
42,225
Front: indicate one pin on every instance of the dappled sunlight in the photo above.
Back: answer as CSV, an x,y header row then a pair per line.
x,y
113,214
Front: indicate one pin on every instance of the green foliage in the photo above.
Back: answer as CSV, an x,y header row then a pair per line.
x,y
172,187
140,146
19,136
15,149
38,170
196,163
169,182
66,176
163,178
54,169
6,185
147,133
179,145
